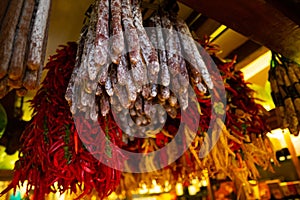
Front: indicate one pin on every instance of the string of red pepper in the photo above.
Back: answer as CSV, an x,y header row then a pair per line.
x,y
244,116
52,151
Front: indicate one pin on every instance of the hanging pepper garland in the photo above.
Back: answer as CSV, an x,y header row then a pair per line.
x,y
241,146
243,143
51,151
244,121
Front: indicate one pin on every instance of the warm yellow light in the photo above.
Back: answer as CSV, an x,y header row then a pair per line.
x,y
155,188
60,196
204,183
144,189
255,188
217,32
27,110
7,162
277,138
154,182
282,158
179,189
192,190
95,198
168,187
195,181
257,65
112,196
23,188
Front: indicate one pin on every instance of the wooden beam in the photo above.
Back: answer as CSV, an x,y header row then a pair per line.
x,y
207,28
257,20
244,50
192,18
291,148
228,41
184,11
198,22
6,175
290,8
250,58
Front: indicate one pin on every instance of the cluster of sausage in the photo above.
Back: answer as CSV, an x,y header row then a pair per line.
x,y
284,77
23,40
130,67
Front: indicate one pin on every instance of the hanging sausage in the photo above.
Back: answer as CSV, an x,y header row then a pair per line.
x,y
284,77
23,39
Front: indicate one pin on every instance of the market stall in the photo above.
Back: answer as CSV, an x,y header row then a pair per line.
x,y
137,105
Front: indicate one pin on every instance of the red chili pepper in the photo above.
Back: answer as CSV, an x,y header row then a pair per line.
x,y
57,145
76,142
231,90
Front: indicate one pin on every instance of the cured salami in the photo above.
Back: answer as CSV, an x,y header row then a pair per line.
x,y
122,70
192,52
171,44
39,32
147,66
131,89
17,66
117,37
131,35
139,74
148,51
8,30
30,79
102,32
71,86
164,69
104,104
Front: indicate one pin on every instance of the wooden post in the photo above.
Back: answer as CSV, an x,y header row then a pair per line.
x,y
292,151
209,187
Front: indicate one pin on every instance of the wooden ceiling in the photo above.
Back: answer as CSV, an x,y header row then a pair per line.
x,y
274,24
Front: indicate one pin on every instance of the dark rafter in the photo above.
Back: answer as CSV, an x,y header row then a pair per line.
x,y
256,19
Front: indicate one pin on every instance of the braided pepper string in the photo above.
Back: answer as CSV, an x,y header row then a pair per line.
x,y
51,151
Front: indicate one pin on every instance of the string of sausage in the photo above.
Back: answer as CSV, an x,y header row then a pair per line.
x,y
117,41
23,39
17,67
8,31
123,78
192,52
285,85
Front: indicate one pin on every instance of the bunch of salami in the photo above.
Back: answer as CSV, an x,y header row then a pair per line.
x,y
127,67
23,38
284,77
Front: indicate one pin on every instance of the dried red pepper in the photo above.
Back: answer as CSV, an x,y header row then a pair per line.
x,y
51,150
